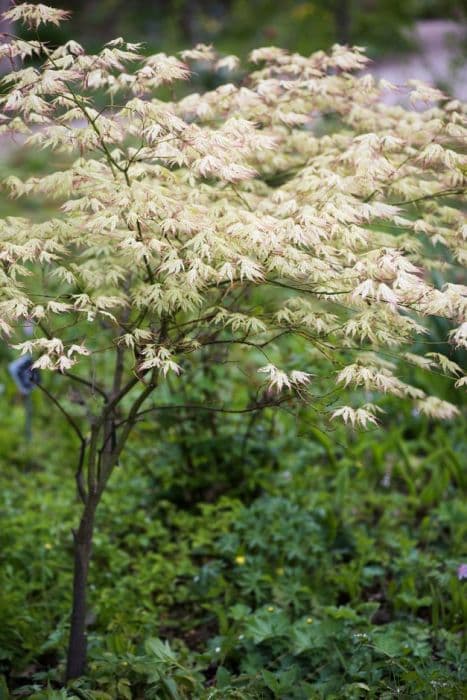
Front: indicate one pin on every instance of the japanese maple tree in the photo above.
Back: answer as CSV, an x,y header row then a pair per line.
x,y
289,203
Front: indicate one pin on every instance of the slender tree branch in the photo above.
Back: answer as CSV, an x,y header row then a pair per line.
x,y
304,289
128,423
119,396
241,197
140,234
112,164
79,474
93,489
244,341
64,412
79,471
441,193
91,385
213,409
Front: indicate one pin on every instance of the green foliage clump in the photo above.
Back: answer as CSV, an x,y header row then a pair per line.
x,y
330,575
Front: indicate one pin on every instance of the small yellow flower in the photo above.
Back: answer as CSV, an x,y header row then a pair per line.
x,y
48,545
240,560
309,620
280,571
270,609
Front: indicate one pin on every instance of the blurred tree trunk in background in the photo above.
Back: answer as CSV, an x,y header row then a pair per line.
x,y
187,12
342,18
7,27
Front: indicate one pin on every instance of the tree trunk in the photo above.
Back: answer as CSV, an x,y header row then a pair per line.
x,y
100,465
82,540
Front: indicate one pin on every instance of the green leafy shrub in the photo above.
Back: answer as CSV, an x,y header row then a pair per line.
x,y
329,581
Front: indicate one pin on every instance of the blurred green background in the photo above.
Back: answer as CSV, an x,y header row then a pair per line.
x,y
238,25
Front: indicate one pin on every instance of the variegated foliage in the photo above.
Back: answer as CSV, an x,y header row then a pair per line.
x,y
289,202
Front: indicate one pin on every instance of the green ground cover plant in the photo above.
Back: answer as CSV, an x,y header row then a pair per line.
x,y
306,580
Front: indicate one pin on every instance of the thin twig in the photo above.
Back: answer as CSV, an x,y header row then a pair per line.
x,y
69,418
212,409
442,193
91,385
